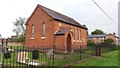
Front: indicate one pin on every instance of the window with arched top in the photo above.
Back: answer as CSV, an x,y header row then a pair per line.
x,y
32,31
44,29
77,34
80,35
73,30
73,33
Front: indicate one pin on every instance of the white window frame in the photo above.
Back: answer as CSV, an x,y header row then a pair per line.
x,y
32,31
43,30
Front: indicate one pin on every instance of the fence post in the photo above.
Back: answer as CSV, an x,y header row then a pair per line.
x,y
6,42
53,54
80,53
11,57
2,53
99,49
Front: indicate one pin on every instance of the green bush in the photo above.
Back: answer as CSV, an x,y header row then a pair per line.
x,y
108,41
90,42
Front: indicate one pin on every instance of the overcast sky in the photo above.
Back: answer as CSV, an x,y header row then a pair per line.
x,y
83,11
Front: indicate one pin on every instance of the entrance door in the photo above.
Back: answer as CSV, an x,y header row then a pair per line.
x,y
68,43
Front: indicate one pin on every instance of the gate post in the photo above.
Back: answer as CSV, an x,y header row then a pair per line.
x,y
3,46
98,50
80,52
53,55
1,53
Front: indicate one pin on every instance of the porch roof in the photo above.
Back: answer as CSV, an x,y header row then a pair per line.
x,y
62,31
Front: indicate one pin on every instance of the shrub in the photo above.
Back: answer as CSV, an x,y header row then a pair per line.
x,y
90,42
108,41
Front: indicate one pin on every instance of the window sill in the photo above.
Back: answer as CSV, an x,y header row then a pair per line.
x,y
42,37
79,41
31,38
73,40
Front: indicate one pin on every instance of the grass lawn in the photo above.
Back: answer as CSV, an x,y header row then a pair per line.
x,y
70,58
107,59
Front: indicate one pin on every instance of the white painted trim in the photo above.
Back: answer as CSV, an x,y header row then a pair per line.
x,y
31,38
79,41
42,37
73,40
56,31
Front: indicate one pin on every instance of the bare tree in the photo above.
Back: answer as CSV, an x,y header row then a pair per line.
x,y
19,28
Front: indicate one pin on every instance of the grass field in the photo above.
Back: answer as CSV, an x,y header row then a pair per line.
x,y
107,59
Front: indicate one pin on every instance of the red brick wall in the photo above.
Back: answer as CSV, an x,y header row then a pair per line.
x,y
83,35
97,40
60,40
112,37
37,19
101,39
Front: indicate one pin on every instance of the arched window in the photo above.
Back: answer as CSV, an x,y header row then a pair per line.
x,y
80,35
73,30
74,33
44,29
77,34
32,31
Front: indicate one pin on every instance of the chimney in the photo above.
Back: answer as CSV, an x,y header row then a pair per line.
x,y
114,34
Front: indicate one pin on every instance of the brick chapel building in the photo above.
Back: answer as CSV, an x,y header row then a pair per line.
x,y
46,28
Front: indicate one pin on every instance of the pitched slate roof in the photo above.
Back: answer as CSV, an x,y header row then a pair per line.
x,y
96,36
61,31
61,17
100,35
